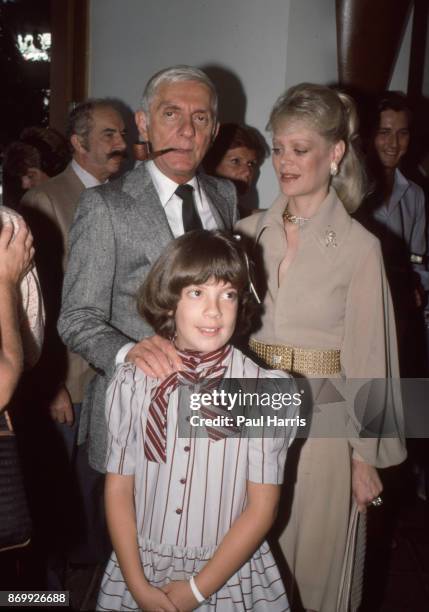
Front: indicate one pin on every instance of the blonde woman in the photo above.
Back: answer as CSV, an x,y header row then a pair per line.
x,y
327,313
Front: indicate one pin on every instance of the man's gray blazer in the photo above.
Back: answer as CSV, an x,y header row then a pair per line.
x,y
119,231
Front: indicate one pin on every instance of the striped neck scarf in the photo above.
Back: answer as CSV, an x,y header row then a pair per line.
x,y
196,367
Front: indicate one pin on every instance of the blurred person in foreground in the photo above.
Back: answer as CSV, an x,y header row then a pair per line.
x,y
16,254
21,336
20,292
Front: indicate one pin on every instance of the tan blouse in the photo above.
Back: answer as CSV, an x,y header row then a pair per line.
x,y
334,295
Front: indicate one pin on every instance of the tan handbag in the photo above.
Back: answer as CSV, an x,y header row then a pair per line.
x,y
350,592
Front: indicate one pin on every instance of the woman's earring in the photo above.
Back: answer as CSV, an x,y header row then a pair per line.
x,y
334,168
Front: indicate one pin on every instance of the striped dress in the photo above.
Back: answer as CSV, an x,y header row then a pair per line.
x,y
185,506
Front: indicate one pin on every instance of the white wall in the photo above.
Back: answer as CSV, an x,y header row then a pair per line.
x,y
399,80
312,43
131,39
263,45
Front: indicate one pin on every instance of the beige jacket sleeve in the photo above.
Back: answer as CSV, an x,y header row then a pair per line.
x,y
40,200
49,211
370,352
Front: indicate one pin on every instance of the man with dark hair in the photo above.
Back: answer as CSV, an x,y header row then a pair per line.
x,y
395,213
121,228
39,154
96,135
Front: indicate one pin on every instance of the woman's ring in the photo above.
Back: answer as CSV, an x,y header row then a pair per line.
x,y
377,501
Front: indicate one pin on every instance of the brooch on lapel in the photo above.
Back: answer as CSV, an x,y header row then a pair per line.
x,y
330,238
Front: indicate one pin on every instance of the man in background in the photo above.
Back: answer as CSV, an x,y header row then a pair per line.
x,y
395,213
39,154
96,135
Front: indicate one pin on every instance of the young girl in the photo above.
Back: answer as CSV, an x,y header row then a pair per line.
x,y
188,516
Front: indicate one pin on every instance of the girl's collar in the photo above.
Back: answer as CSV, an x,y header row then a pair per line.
x,y
197,358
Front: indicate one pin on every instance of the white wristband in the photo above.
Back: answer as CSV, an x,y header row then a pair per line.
x,y
195,591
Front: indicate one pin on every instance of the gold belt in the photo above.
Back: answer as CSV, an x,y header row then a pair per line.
x,y
299,360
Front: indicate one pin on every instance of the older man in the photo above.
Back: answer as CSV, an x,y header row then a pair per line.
x,y
121,228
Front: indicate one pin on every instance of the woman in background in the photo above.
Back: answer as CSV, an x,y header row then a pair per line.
x,y
237,153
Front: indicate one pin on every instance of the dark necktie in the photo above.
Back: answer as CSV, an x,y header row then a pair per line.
x,y
191,219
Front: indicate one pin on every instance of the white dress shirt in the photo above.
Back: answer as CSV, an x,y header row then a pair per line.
x,y
87,179
172,205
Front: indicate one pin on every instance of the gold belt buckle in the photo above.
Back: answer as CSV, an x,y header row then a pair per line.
x,y
277,360
303,361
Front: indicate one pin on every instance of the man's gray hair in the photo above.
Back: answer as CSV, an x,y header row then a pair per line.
x,y
174,75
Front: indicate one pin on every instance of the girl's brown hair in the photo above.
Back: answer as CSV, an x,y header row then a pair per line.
x,y
193,259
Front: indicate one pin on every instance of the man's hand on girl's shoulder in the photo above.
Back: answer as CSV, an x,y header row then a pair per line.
x,y
156,356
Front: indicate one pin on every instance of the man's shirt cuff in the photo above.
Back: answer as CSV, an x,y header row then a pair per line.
x,y
123,351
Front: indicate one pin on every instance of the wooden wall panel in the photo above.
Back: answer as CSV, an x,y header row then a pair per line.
x,y
369,35
68,76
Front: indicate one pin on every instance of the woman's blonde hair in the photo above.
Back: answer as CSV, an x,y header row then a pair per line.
x,y
333,115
